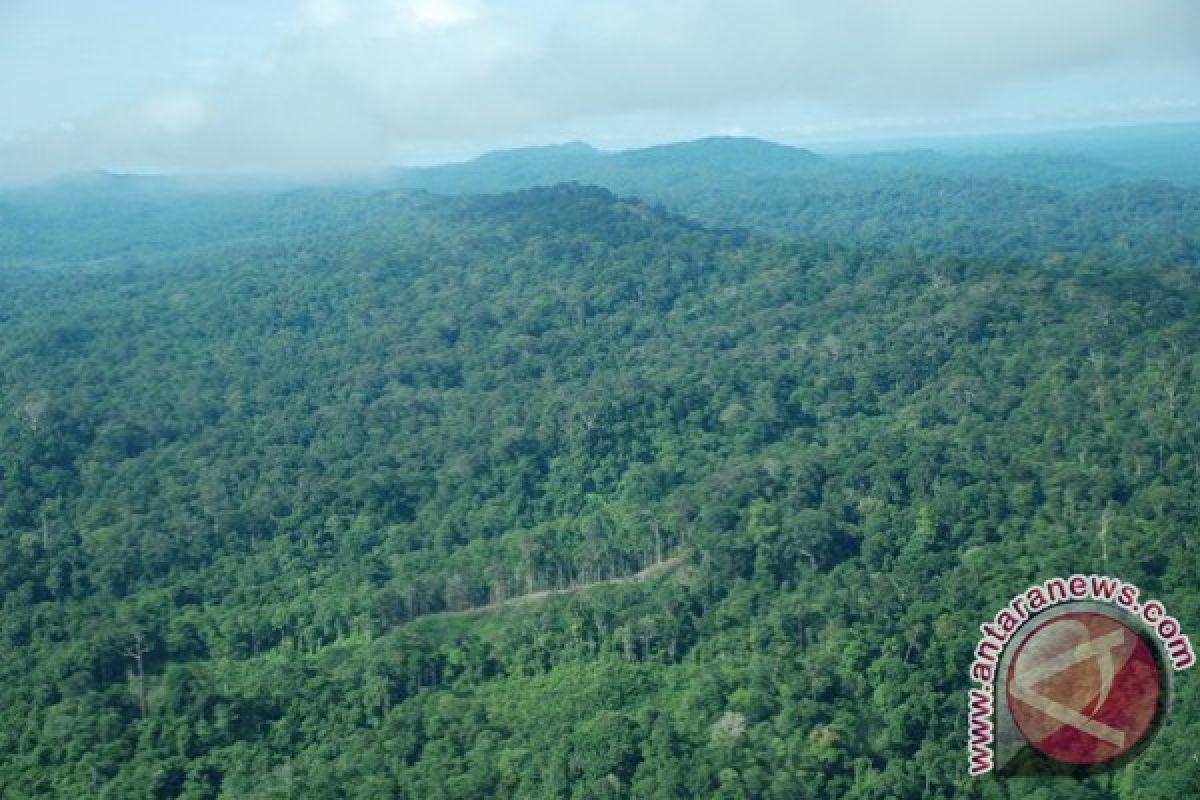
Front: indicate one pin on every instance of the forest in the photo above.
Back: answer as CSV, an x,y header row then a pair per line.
x,y
688,472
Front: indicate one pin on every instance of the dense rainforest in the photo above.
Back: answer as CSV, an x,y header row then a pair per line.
x,y
701,488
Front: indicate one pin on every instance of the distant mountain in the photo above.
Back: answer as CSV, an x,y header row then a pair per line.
x,y
726,158
1075,160
509,169
738,155
1059,171
1023,206
1017,205
537,155
1169,151
733,160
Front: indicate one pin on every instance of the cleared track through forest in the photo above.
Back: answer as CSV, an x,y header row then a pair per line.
x,y
656,568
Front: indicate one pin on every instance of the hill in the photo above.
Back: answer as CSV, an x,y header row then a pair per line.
x,y
1166,151
1021,206
1024,206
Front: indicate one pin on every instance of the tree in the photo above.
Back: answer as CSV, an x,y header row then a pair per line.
x,y
135,645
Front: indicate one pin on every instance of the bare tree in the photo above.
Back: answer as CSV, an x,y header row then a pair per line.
x,y
531,556
1105,520
134,646
50,508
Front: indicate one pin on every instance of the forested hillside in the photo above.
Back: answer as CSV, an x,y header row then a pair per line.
x,y
246,466
997,207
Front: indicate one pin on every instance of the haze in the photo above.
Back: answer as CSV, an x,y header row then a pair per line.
x,y
330,88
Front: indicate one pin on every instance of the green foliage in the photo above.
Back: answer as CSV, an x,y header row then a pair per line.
x,y
255,495
1025,206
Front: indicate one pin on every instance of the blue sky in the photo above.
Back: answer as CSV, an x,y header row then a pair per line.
x,y
333,87
65,60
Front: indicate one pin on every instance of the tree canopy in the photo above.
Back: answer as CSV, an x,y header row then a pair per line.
x,y
269,478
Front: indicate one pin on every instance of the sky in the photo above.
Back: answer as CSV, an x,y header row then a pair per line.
x,y
333,88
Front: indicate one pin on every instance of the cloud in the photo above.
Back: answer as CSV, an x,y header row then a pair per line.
x,y
360,82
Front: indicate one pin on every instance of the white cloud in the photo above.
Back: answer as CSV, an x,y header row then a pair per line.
x,y
429,14
176,111
323,13
361,81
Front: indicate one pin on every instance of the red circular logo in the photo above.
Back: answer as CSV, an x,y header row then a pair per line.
x,y
1083,688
